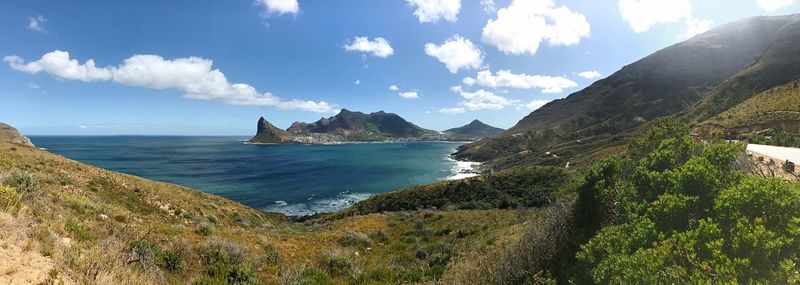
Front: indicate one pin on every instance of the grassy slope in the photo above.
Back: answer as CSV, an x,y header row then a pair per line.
x,y
104,227
778,104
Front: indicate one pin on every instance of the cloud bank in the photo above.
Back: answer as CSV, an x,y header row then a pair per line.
x,y
507,79
193,76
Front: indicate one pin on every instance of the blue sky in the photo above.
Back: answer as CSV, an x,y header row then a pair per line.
x,y
206,67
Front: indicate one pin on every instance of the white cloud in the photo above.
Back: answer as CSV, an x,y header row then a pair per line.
x,y
772,5
280,6
409,95
34,86
61,66
434,10
536,104
357,82
379,47
696,26
451,111
489,6
193,76
643,14
482,100
37,23
590,74
456,53
522,26
506,79
394,87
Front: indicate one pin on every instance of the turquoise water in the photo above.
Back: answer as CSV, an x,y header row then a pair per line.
x,y
291,179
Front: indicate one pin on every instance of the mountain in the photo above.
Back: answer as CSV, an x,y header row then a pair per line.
x,y
9,133
695,79
346,126
475,130
268,133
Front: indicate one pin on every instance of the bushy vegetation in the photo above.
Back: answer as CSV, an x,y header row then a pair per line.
x,y
531,186
772,137
676,211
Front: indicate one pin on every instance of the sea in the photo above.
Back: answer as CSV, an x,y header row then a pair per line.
x,y
295,180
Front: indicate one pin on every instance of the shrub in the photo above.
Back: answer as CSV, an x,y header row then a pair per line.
x,y
355,239
271,254
173,258
379,235
9,199
77,230
225,262
23,182
335,262
205,229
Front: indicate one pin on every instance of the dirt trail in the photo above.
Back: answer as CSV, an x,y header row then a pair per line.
x,y
20,260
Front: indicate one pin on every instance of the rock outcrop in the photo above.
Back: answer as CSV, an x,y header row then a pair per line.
x,y
9,133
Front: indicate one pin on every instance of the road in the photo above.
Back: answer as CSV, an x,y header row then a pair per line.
x,y
778,152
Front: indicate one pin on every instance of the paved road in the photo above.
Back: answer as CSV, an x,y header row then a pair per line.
x,y
778,152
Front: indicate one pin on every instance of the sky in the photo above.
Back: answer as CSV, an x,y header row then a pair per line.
x,y
213,67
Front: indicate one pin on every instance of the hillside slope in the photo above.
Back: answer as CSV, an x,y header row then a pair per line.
x,y
61,220
778,107
731,63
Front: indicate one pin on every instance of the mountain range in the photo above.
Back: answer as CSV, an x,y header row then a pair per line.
x,y
350,126
694,80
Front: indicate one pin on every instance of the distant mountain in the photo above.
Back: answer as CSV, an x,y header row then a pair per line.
x,y
9,133
268,133
475,130
695,79
347,126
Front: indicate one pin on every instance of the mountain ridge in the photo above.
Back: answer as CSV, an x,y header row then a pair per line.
x,y
354,126
695,79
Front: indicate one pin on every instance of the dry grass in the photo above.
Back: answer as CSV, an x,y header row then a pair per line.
x,y
101,227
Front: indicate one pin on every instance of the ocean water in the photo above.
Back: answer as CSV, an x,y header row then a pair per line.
x,y
291,179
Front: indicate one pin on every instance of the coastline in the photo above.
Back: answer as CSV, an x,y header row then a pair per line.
x,y
344,200
358,142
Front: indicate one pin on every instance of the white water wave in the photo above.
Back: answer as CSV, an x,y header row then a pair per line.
x,y
316,206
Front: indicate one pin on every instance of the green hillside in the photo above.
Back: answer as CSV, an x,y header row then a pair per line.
x,y
771,108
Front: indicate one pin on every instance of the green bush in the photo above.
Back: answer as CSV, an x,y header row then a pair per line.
x,y
23,182
205,229
355,239
174,258
78,231
677,212
271,254
10,199
225,262
335,262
